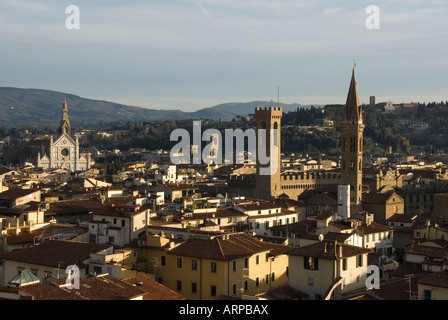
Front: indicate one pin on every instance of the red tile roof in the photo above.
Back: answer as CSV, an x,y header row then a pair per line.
x,y
326,250
153,289
103,287
226,248
56,253
436,279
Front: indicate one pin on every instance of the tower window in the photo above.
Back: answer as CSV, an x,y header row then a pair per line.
x,y
352,144
352,165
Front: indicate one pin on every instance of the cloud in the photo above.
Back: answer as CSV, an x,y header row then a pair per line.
x,y
203,9
332,11
28,6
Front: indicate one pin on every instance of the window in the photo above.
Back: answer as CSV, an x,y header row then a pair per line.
x,y
311,263
97,270
179,262
257,282
123,223
257,259
234,289
273,276
352,165
115,220
213,267
179,285
194,287
111,239
310,281
267,256
163,260
427,294
344,264
246,285
234,265
352,144
266,279
213,291
246,263
359,261
194,264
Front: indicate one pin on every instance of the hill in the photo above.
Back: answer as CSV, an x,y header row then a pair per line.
x,y
29,107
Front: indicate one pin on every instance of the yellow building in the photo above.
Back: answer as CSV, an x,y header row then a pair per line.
x,y
434,228
327,269
203,269
433,286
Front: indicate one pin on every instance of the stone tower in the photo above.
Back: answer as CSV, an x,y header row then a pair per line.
x,y
352,128
268,176
64,126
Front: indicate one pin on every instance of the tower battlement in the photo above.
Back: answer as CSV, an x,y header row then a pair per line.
x,y
261,112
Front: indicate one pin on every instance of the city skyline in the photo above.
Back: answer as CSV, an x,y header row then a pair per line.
x,y
190,55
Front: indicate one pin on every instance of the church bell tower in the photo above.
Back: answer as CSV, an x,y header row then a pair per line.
x,y
352,128
64,126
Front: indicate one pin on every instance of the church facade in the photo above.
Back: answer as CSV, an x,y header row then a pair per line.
x,y
63,152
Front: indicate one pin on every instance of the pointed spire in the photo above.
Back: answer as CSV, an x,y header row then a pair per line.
x,y
64,126
352,110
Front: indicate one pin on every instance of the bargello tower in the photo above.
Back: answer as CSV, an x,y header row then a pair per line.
x,y
352,128
268,176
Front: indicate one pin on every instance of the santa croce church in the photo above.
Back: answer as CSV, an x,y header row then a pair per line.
x,y
62,152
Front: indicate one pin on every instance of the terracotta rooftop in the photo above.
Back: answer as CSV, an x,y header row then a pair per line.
x,y
373,227
302,227
258,205
378,198
395,289
403,218
153,289
74,206
326,250
435,279
284,293
56,253
227,247
428,251
13,194
103,287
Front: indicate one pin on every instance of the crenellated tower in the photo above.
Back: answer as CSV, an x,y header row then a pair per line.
x,y
268,176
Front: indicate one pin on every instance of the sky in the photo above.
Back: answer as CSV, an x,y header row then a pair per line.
x,y
188,54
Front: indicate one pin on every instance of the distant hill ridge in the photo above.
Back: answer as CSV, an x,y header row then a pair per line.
x,y
30,106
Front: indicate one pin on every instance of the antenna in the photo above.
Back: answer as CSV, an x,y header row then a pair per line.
x,y
278,96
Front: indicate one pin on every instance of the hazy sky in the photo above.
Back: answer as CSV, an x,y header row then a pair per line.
x,y
187,55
